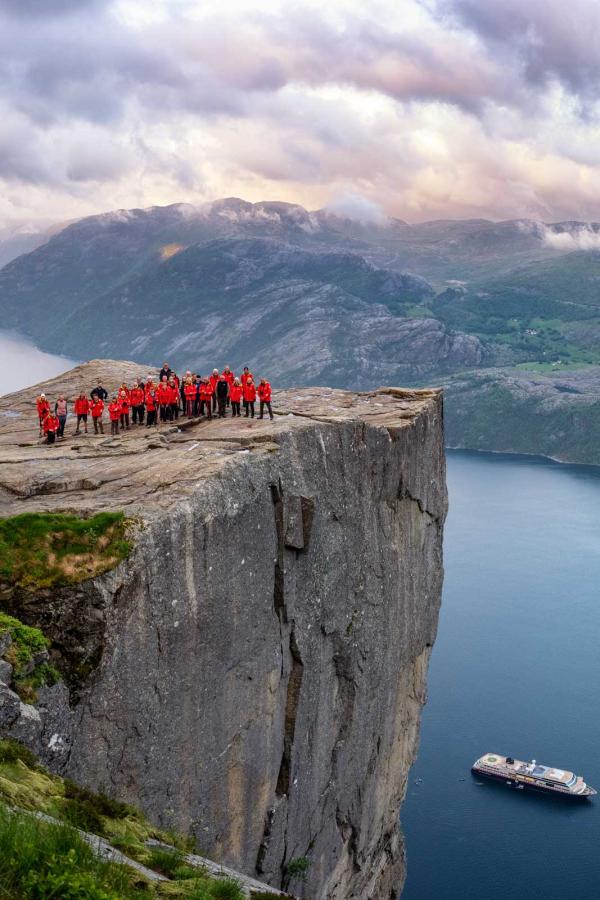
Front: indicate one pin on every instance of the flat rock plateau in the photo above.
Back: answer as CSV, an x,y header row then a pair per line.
x,y
254,671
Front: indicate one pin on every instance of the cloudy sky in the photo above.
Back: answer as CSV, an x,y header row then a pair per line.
x,y
424,108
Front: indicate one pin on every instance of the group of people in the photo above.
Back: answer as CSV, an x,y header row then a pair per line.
x,y
150,402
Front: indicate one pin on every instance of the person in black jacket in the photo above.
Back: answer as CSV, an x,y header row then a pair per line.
x,y
99,391
166,370
222,392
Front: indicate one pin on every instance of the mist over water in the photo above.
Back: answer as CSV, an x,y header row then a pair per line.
x,y
23,364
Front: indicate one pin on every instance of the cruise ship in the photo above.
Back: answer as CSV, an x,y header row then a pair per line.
x,y
532,775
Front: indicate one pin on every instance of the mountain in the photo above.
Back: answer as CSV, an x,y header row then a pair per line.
x,y
14,243
268,285
314,297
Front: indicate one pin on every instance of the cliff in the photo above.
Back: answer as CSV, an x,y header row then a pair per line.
x,y
254,671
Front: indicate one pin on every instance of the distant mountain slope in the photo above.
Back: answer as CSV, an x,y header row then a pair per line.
x,y
312,295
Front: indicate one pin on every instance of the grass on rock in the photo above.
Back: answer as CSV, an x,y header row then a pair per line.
x,y
40,861
43,550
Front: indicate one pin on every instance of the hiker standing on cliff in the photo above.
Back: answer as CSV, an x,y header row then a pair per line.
x,y
206,392
213,378
235,392
97,410
151,403
137,403
43,408
165,372
99,391
125,406
61,409
163,394
222,392
228,375
82,408
249,395
114,412
264,395
50,426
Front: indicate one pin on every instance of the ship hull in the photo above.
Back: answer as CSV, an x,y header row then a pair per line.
x,y
529,786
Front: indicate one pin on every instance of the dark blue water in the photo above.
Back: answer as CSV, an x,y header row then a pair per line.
x,y
516,669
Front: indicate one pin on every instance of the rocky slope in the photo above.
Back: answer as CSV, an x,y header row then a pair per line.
x,y
255,670
510,410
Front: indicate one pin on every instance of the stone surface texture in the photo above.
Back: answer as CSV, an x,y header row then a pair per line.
x,y
258,665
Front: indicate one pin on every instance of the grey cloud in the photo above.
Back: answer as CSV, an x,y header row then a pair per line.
x,y
48,8
550,38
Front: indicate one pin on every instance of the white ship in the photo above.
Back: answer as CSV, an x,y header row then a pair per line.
x,y
533,776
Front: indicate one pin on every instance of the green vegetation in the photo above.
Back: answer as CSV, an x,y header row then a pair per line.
x,y
40,860
27,642
298,868
44,550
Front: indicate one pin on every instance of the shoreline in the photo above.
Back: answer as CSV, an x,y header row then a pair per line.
x,y
541,456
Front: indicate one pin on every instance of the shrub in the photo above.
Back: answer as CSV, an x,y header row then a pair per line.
x,y
226,889
298,868
11,751
26,642
104,806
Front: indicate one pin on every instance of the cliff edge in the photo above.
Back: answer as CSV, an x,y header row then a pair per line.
x,y
254,670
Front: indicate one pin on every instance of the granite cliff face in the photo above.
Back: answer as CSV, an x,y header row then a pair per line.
x,y
255,670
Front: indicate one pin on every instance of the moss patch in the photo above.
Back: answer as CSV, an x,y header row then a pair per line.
x,y
44,550
27,642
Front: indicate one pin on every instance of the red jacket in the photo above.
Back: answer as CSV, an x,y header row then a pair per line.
x,y
244,377
97,408
229,376
206,390
173,394
213,381
190,391
137,396
124,403
51,423
235,393
114,411
249,392
42,407
264,392
151,401
163,394
81,406
149,386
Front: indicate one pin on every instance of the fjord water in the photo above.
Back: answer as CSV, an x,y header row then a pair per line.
x,y
515,669
23,364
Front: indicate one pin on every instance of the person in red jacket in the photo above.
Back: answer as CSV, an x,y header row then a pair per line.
x,y
249,395
43,408
114,412
264,395
228,375
246,374
206,393
151,404
173,398
190,390
97,407
81,408
235,393
136,398
149,386
213,378
50,426
125,405
163,395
